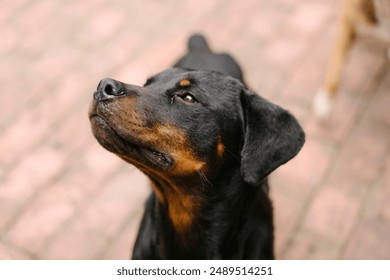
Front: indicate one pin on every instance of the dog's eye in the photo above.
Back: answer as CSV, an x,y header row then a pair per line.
x,y
188,97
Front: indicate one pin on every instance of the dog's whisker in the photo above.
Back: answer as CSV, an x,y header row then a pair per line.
x,y
204,177
201,179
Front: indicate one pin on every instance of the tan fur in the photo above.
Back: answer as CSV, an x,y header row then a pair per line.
x,y
182,210
220,147
185,83
182,207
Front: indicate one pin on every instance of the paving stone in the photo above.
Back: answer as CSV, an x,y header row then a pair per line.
x,y
309,18
310,165
7,252
29,176
44,218
287,210
328,211
362,159
75,242
121,247
128,192
310,247
370,241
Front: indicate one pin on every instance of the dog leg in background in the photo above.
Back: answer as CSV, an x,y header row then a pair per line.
x,y
353,12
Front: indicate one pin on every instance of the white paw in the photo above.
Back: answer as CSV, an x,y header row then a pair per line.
x,y
322,104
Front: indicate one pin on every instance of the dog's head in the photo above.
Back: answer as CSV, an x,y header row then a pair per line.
x,y
184,122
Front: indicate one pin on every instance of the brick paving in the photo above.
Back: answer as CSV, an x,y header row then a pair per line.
x,y
63,197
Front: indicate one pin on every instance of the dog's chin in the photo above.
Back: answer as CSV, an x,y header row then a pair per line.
x,y
129,150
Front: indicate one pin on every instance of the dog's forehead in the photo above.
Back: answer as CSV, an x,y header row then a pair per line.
x,y
187,77
168,77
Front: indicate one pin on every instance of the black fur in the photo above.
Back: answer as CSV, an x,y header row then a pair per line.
x,y
233,217
200,57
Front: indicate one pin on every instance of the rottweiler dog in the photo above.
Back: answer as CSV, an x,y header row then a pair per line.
x,y
207,144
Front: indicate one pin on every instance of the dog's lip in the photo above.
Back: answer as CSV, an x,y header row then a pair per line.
x,y
157,158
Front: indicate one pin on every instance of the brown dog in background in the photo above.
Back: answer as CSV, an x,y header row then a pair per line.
x,y
370,18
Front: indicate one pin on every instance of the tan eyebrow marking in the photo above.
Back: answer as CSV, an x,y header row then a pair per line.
x,y
184,83
220,147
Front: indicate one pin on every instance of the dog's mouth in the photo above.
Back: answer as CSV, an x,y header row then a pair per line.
x,y
128,148
156,157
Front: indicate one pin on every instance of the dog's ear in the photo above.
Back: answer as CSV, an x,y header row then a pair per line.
x,y
272,136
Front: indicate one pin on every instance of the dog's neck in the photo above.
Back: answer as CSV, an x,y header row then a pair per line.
x,y
190,214
179,205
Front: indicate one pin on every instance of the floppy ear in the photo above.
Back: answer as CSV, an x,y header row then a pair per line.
x,y
272,137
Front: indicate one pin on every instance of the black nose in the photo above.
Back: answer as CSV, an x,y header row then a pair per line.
x,y
109,88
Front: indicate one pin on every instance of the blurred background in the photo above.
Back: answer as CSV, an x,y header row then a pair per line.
x,y
63,197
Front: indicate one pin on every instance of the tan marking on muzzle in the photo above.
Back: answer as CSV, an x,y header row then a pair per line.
x,y
174,141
